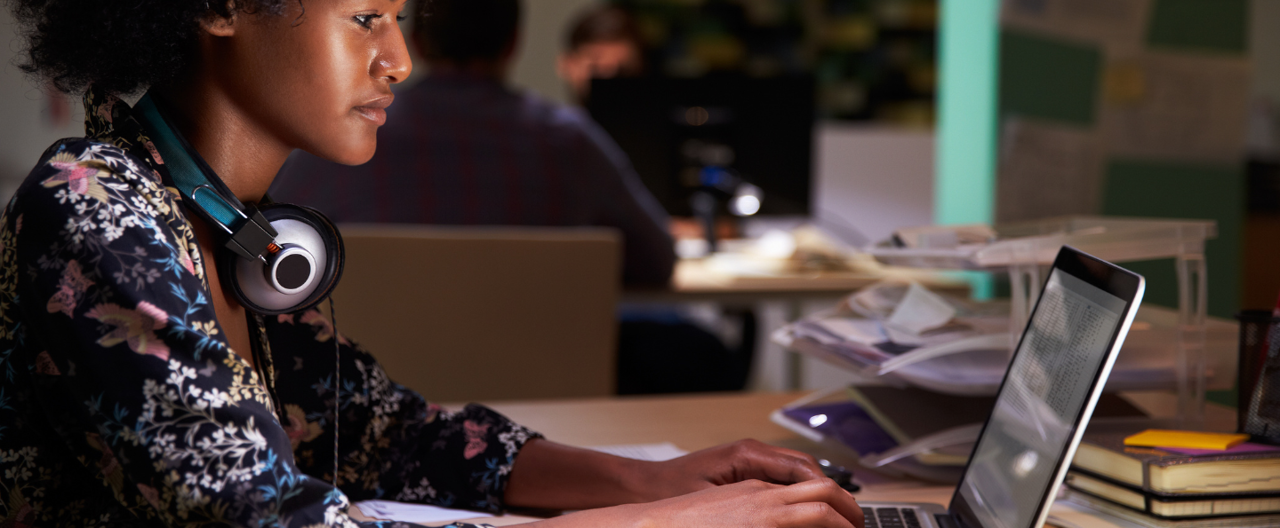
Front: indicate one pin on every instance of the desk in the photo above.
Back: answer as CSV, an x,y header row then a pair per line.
x,y
699,280
702,421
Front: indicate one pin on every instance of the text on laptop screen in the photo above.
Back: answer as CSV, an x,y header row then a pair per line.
x,y
1046,388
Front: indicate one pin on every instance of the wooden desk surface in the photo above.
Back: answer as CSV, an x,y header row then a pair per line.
x,y
695,422
699,280
691,422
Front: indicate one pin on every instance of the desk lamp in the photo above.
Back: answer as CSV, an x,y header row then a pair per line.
x,y
720,184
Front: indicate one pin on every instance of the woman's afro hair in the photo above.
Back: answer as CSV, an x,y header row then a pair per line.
x,y
120,46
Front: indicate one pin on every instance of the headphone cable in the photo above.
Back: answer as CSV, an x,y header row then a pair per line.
x,y
337,388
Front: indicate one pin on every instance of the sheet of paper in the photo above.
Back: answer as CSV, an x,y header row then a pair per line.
x,y
651,452
920,310
878,300
1114,24
415,513
1047,170
858,330
1176,107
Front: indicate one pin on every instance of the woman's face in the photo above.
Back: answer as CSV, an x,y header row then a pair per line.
x,y
318,77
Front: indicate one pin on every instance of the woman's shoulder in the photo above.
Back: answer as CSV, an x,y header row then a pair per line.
x,y
76,169
89,191
115,159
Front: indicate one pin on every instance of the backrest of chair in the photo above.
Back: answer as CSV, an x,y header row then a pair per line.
x,y
485,313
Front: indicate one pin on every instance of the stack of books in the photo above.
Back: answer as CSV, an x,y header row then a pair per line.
x,y
1172,483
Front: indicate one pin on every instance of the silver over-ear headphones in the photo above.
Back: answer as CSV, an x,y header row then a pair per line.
x,y
279,258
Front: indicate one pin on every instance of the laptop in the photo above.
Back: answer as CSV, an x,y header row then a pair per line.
x,y
1044,403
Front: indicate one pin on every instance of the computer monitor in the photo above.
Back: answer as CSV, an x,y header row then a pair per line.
x,y
679,133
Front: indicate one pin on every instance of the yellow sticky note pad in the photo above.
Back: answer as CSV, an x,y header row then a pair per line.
x,y
1185,439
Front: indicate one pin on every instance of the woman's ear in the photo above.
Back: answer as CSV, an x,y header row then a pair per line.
x,y
220,26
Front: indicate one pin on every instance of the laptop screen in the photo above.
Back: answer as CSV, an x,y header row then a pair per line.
x,y
1048,385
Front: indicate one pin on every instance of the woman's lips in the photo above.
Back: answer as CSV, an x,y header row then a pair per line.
x,y
375,109
377,115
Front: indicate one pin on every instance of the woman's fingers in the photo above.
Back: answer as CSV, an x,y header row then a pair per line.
x,y
823,491
816,503
793,453
808,461
753,459
812,514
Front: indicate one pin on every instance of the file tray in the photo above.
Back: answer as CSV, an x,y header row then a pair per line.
x,y
1026,249
1116,239
975,364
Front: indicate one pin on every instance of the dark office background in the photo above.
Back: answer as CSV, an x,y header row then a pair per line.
x,y
873,60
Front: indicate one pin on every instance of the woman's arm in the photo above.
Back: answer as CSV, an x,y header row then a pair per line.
x,y
555,476
396,446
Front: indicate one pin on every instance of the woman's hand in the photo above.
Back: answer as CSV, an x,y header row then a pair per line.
x,y
817,503
727,464
813,503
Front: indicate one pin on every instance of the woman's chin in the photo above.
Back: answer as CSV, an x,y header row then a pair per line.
x,y
352,155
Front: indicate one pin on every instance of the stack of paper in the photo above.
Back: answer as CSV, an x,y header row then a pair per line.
x,y
415,513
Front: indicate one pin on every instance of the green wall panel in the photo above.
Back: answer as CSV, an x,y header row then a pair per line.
x,y
1179,190
964,187
964,181
1048,79
1201,25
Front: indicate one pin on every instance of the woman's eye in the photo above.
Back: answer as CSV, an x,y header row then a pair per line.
x,y
401,18
366,21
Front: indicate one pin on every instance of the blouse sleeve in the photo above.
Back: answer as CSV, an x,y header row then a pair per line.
x,y
132,371
393,445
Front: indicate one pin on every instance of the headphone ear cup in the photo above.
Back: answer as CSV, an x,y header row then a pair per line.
x,y
296,226
336,252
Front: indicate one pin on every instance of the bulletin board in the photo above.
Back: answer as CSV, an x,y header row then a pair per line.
x,y
1129,108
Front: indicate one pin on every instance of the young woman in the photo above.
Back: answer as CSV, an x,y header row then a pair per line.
x,y
138,391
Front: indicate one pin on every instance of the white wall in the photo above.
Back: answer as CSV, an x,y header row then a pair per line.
x,y
874,177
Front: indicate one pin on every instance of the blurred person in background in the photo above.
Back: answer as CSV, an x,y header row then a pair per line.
x,y
602,44
463,148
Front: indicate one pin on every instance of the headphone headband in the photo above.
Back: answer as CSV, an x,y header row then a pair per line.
x,y
188,173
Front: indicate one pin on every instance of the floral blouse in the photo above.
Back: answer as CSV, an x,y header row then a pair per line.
x,y
121,403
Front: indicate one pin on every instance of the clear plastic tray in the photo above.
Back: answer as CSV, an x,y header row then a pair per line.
x,y
1115,239
976,365
1025,249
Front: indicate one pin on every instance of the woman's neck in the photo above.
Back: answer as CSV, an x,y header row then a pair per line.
x,y
243,154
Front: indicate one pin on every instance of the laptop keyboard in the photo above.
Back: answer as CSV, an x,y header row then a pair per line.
x,y
891,518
